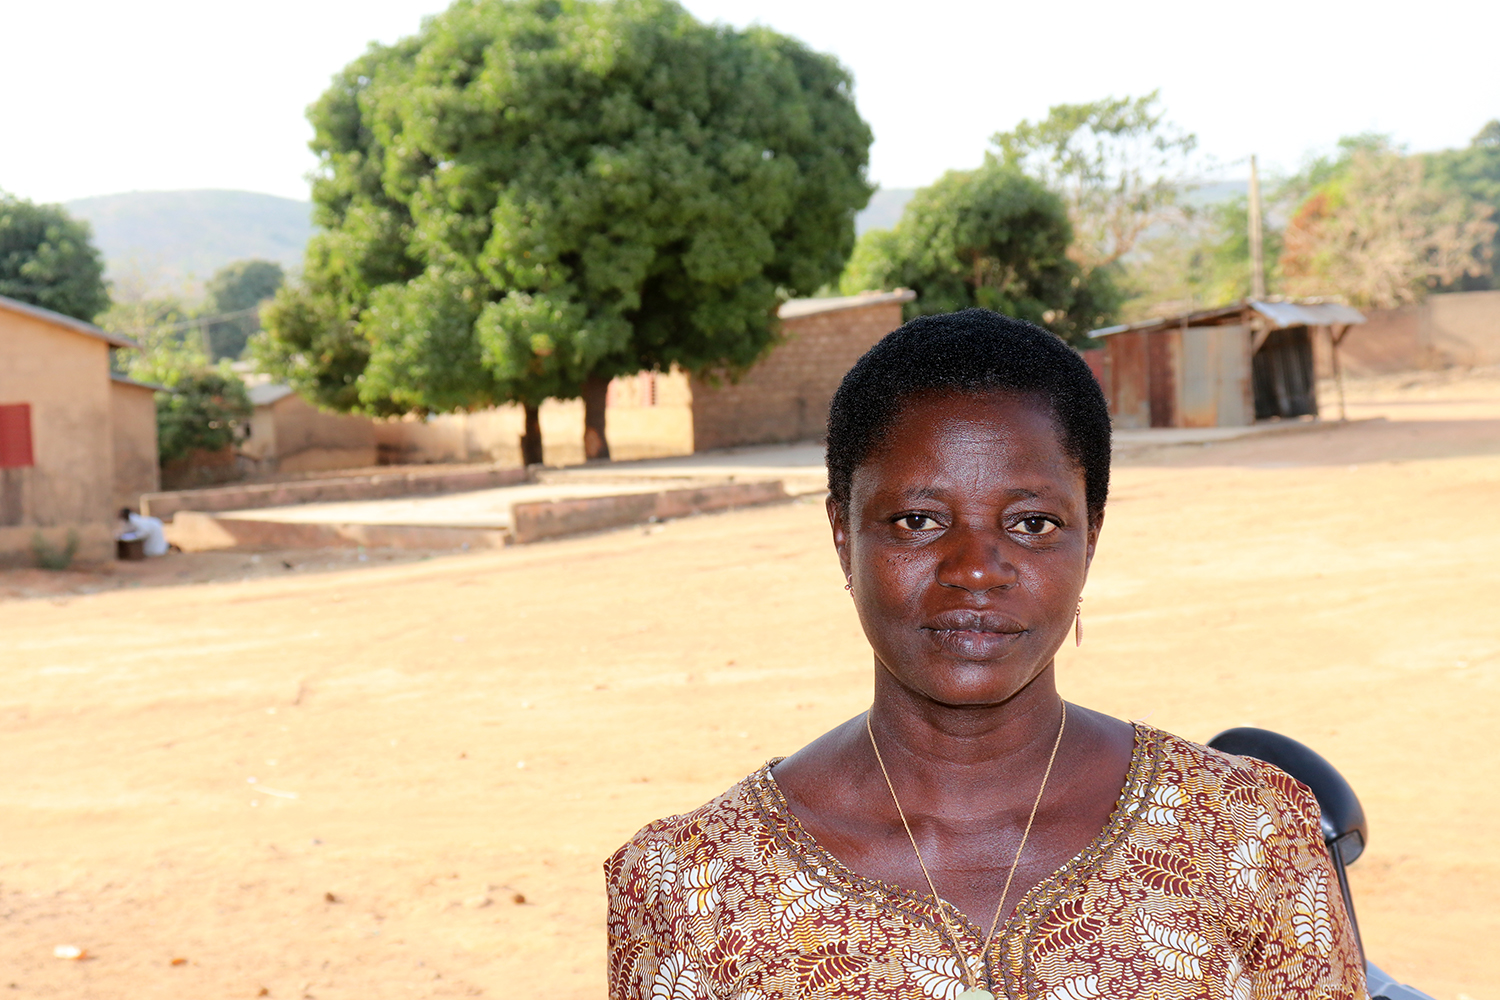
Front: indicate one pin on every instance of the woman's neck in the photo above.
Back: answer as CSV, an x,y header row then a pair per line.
x,y
944,758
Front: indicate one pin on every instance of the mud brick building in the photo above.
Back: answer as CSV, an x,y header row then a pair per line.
x,y
785,396
76,442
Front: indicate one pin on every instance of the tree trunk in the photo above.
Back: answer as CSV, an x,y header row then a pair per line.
x,y
595,394
531,441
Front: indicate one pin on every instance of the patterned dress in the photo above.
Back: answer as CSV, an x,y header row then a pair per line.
x,y
1209,880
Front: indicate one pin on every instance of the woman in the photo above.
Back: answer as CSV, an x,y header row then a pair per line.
x,y
972,836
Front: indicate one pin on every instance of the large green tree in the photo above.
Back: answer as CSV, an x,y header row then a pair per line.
x,y
238,288
991,237
48,259
533,196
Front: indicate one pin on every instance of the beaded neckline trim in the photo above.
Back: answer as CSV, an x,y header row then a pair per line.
x,y
1017,931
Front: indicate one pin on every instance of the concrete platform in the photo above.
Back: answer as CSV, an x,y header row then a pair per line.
x,y
482,519
332,488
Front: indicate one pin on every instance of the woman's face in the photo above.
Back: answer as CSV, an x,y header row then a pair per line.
x,y
967,542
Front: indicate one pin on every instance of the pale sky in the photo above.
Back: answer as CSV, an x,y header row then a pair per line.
x,y
168,95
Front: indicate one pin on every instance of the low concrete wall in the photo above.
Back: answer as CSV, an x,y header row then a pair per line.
x,y
532,522
327,459
200,470
194,531
1455,328
376,487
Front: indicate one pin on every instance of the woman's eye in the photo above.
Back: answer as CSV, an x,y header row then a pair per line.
x,y
1037,525
916,522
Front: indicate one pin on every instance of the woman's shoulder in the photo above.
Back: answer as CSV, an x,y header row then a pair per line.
x,y
728,824
1192,775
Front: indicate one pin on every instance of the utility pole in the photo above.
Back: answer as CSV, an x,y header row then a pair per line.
x,y
1257,256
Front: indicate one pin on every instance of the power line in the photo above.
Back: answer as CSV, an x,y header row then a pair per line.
x,y
198,321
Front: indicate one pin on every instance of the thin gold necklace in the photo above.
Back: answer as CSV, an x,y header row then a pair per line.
x,y
974,991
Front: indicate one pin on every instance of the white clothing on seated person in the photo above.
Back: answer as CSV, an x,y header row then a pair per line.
x,y
149,528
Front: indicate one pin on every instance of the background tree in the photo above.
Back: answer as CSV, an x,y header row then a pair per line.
x,y
1474,173
1383,234
534,196
1321,170
47,258
203,413
171,346
206,405
1119,165
237,288
991,237
1199,262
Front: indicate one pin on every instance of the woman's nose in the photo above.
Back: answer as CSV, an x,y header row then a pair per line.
x,y
974,560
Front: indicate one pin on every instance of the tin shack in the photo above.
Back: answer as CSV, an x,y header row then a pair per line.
x,y
1224,367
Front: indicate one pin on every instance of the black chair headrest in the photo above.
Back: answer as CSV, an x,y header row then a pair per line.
x,y
1342,813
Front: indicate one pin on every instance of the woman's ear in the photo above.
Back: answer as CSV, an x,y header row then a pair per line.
x,y
838,520
1096,524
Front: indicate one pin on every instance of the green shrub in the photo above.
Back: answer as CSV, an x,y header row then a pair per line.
x,y
204,411
48,556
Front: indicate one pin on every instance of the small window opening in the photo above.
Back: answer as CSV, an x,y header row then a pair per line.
x,y
15,436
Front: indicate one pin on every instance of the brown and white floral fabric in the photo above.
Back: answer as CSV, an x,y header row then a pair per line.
x,y
1210,880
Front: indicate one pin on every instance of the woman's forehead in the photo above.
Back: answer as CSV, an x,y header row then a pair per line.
x,y
969,440
955,419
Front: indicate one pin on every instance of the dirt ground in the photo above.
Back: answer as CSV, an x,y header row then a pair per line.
x,y
398,777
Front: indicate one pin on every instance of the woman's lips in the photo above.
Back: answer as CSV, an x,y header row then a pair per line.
x,y
974,635
973,645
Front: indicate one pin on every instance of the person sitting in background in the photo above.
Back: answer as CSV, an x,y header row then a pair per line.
x,y
972,835
149,529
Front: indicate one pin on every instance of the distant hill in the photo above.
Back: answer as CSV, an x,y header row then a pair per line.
x,y
1206,192
884,209
172,241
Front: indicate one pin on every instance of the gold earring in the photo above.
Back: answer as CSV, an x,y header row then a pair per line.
x,y
1078,624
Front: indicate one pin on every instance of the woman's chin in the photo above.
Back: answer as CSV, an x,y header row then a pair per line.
x,y
969,684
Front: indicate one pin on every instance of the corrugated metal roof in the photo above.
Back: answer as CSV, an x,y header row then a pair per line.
x,y
1192,319
1281,314
140,385
267,393
1307,313
793,308
58,319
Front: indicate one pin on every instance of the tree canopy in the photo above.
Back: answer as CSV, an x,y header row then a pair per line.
x,y
204,412
48,259
238,288
991,237
533,195
1380,232
206,405
1474,173
1118,164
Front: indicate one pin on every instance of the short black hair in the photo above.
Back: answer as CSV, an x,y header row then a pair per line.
x,y
969,352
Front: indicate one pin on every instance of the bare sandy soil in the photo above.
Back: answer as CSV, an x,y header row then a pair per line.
x,y
400,779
